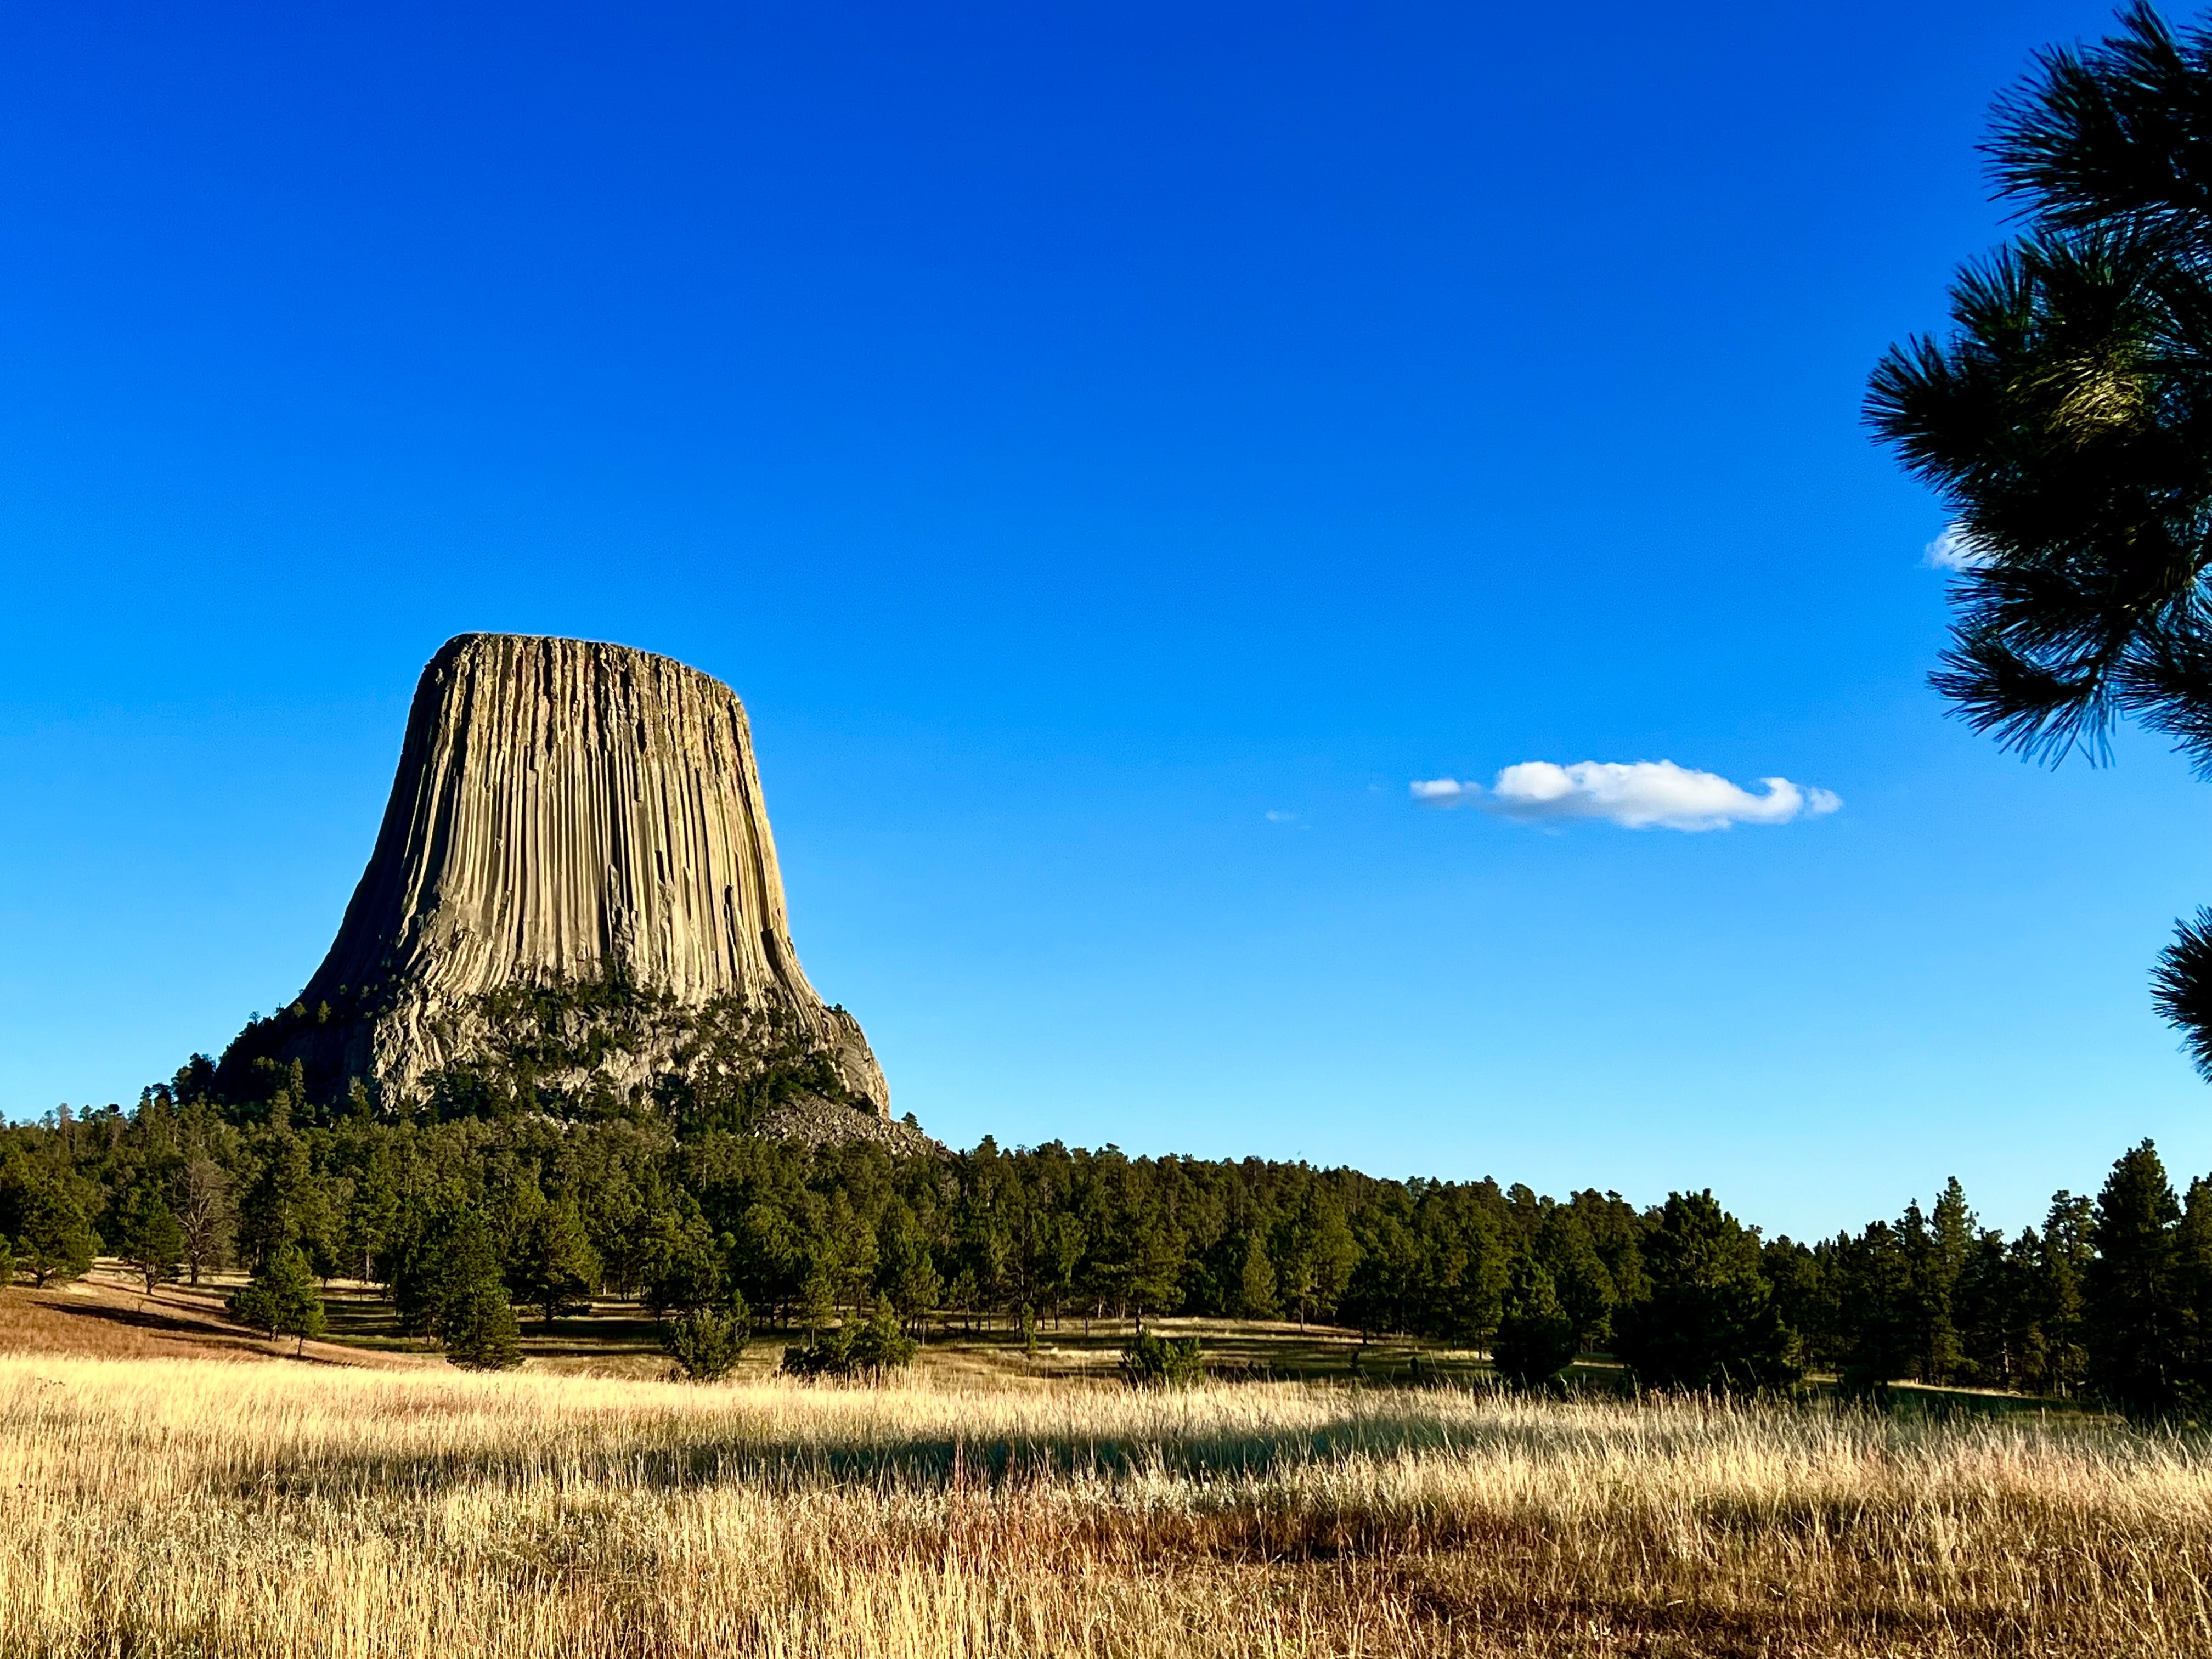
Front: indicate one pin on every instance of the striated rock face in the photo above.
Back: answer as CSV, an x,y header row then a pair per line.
x,y
565,812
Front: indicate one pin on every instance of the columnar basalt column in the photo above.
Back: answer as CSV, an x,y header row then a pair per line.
x,y
564,811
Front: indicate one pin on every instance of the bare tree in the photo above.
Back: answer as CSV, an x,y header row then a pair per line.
x,y
203,1211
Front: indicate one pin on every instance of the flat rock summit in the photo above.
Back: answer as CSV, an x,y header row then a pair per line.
x,y
575,868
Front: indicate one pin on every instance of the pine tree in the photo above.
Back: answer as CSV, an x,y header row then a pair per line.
x,y
707,1343
1466,1259
1884,1333
470,1313
1710,1322
2192,1289
446,1282
2133,1313
907,1274
269,1214
1579,1273
1536,1338
2064,421
2027,1343
1153,1361
1155,1264
1939,1258
880,1346
152,1243
477,1327
371,1210
552,1265
687,1267
1256,1278
281,1299
2061,1279
54,1243
1315,1255
1984,1307
817,1306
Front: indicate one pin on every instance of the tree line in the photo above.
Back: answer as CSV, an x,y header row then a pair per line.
x,y
463,1220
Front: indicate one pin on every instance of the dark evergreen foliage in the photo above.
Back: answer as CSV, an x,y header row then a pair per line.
x,y
550,1263
868,1348
1153,1361
42,1208
2066,420
153,1244
707,1343
478,1329
1711,1322
458,1218
1536,1340
2135,1326
281,1299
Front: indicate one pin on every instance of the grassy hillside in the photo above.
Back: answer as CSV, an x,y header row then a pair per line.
x,y
106,1315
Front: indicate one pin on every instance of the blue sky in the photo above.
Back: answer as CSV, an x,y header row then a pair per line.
x,y
1114,451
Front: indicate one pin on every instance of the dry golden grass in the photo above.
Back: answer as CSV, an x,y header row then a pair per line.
x,y
107,1315
155,1506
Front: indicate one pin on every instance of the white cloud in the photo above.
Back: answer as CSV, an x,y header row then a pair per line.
x,y
1641,795
1443,791
1955,550
1282,818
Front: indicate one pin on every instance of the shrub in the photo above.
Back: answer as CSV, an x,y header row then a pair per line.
x,y
881,1345
825,1358
1154,1362
706,1343
870,1349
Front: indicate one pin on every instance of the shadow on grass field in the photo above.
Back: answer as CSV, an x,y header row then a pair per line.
x,y
108,1313
229,1510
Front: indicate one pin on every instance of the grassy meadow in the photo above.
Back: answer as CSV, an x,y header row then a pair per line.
x,y
229,1504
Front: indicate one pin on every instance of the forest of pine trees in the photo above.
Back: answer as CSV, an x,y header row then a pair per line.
x,y
465,1220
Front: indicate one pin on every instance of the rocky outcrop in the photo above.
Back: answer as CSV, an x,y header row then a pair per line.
x,y
566,813
813,1121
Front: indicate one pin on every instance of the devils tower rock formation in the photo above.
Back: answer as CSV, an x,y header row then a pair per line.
x,y
574,866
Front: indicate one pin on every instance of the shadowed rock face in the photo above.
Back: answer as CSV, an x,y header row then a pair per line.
x,y
565,812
